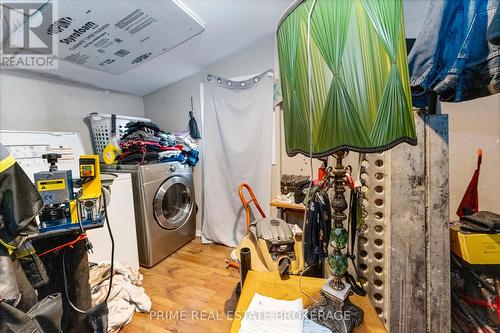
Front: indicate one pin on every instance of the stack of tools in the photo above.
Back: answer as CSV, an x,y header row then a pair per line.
x,y
474,297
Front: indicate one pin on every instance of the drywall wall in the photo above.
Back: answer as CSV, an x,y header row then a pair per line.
x,y
33,103
472,125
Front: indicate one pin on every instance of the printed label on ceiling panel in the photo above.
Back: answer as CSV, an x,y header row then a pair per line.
x,y
117,38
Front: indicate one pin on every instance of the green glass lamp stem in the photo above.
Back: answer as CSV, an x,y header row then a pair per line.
x,y
339,236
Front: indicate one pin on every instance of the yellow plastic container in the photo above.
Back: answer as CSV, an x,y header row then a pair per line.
x,y
475,248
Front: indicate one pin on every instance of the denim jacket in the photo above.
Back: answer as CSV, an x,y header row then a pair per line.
x,y
452,54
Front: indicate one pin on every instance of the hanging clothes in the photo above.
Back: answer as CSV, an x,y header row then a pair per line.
x,y
237,136
193,126
20,202
493,33
317,233
456,54
20,268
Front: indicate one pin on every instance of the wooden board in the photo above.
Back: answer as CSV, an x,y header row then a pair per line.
x,y
437,225
419,237
285,205
407,227
271,285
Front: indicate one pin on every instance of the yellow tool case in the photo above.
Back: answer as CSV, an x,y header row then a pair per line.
x,y
475,248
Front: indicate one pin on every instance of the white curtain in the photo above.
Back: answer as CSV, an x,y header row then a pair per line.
x,y
237,147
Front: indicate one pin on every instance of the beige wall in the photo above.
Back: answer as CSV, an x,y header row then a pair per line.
x,y
474,124
29,102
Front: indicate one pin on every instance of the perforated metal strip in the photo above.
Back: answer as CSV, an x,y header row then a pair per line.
x,y
371,258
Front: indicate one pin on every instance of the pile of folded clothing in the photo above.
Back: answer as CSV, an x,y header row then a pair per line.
x,y
189,147
145,142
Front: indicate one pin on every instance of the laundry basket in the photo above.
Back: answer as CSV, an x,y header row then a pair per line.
x,y
100,128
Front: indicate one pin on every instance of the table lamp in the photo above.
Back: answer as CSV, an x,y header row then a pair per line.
x,y
345,87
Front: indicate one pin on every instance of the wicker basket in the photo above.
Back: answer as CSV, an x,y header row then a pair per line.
x,y
100,128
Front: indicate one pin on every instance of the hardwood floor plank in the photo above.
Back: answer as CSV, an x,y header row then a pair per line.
x,y
193,283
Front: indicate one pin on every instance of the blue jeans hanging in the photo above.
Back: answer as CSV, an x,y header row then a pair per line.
x,y
452,55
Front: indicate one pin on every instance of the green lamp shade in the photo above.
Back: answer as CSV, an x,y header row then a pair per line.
x,y
361,98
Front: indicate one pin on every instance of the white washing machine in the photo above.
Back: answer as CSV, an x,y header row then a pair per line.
x,y
165,209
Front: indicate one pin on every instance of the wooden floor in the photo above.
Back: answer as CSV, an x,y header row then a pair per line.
x,y
188,291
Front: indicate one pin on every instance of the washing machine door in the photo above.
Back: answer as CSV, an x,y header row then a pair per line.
x,y
173,203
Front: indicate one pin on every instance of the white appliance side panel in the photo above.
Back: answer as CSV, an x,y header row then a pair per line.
x,y
27,147
122,222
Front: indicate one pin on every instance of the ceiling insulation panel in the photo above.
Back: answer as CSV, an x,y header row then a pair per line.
x,y
117,36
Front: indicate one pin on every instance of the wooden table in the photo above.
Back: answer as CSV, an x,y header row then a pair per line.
x,y
270,285
284,207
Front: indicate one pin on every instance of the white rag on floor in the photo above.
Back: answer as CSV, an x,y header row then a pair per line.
x,y
127,295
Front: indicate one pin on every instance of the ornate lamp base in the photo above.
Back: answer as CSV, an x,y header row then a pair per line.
x,y
335,311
